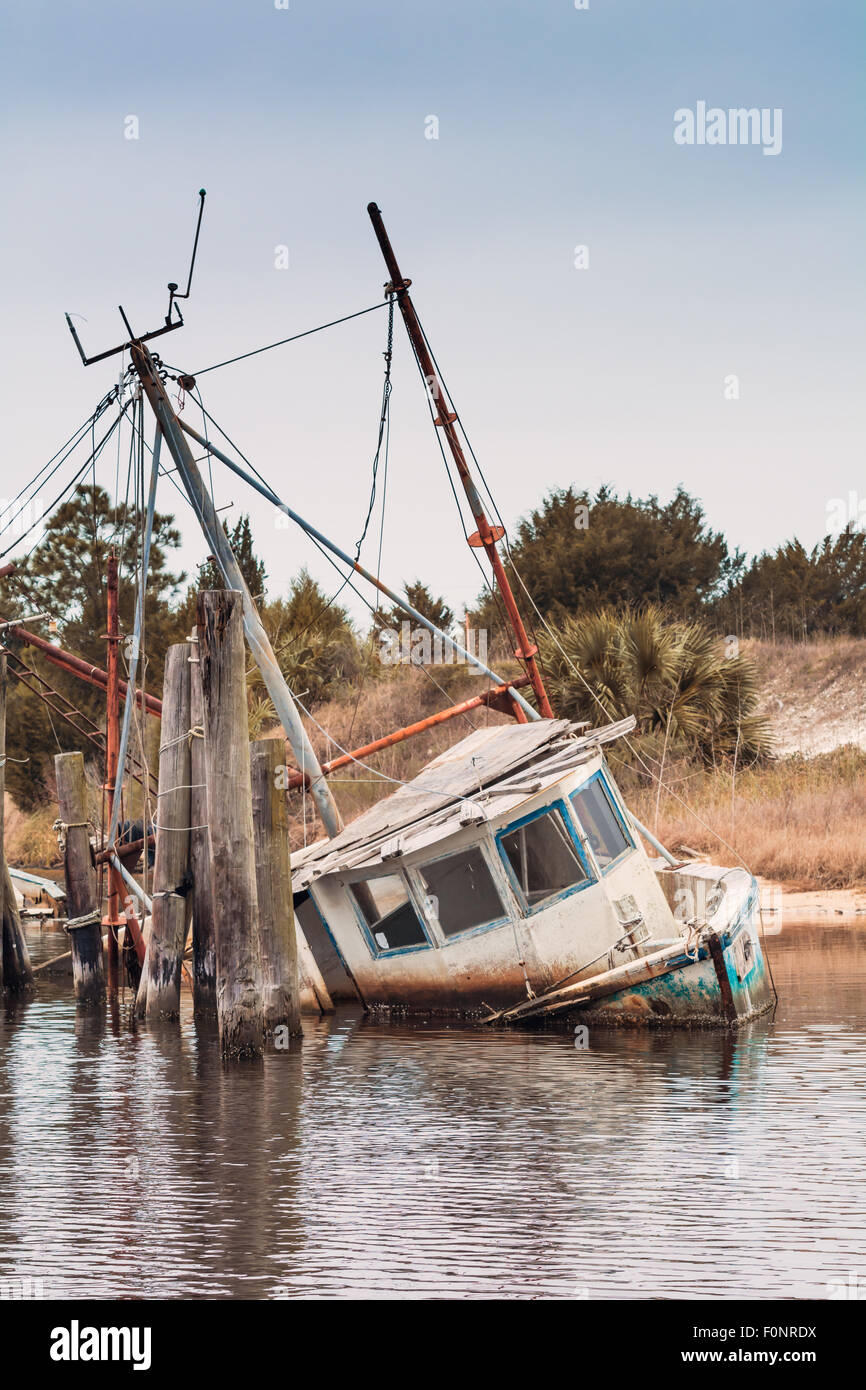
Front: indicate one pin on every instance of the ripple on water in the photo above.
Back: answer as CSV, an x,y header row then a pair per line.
x,y
433,1159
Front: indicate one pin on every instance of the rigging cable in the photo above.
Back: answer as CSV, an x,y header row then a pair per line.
x,y
486,581
91,459
384,425
653,775
384,430
293,339
67,450
345,580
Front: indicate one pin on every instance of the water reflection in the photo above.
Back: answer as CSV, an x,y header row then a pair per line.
x,y
436,1159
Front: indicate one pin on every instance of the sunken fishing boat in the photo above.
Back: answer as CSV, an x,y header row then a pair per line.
x,y
508,879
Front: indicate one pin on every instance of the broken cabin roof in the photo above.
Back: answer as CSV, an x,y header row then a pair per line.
x,y
518,755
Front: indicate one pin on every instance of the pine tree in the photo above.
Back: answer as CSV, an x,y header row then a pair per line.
x,y
435,610
65,576
240,538
577,552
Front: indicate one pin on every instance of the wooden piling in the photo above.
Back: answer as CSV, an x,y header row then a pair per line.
x,y
3,816
85,928
203,934
16,973
222,667
280,993
164,957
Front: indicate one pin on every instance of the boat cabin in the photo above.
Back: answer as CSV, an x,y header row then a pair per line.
x,y
508,864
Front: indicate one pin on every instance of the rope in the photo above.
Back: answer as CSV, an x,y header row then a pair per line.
x,y
87,920
383,422
181,829
62,827
197,731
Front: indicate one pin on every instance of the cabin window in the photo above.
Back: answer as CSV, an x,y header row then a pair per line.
x,y
385,906
462,891
542,857
601,823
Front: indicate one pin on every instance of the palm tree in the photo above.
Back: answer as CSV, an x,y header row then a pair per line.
x,y
675,677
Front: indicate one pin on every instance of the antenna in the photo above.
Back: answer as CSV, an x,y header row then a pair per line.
x,y
173,319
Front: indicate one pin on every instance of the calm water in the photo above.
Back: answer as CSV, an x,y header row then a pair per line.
x,y
430,1160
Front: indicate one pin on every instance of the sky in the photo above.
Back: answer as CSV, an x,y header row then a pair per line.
x,y
710,336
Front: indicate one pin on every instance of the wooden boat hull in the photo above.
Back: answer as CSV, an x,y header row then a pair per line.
x,y
691,993
622,940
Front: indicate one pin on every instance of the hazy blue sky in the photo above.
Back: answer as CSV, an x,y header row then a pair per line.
x,y
555,129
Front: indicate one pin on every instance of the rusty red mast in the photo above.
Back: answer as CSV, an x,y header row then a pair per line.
x,y
486,536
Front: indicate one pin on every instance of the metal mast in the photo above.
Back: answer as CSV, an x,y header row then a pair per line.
x,y
260,646
486,536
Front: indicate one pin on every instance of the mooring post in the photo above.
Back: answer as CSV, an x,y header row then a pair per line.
x,y
84,924
17,973
112,920
222,667
15,970
159,992
2,814
203,935
274,887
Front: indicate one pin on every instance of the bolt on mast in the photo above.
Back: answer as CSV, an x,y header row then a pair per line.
x,y
486,536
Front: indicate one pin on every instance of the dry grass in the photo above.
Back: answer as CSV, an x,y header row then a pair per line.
x,y
799,820
30,840
814,693
403,697
807,665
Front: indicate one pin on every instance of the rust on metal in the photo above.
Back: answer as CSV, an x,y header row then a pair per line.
x,y
729,1007
497,698
476,541
448,420
67,661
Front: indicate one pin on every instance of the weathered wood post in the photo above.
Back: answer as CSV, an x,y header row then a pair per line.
x,y
203,935
2,812
17,972
159,990
222,667
84,924
274,888
15,969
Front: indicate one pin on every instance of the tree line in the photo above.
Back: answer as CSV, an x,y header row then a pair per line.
x,y
577,552
634,592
